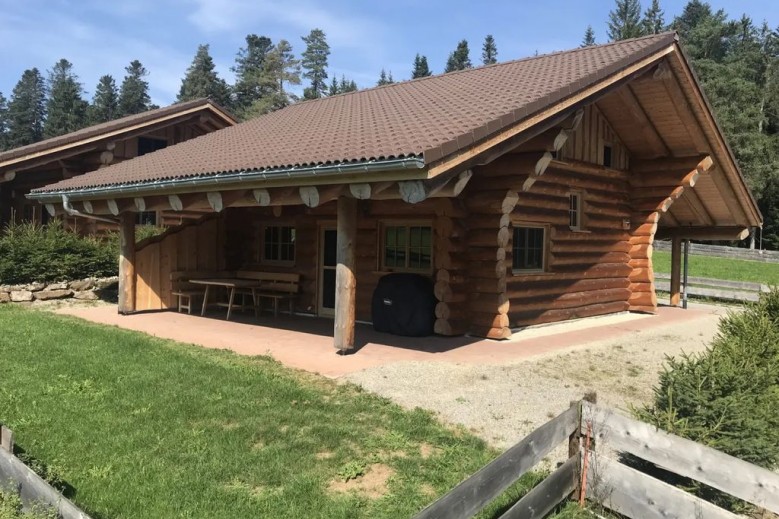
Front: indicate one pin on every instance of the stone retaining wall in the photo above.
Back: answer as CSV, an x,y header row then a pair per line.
x,y
83,289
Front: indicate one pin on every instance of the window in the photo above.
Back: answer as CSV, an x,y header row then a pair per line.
x,y
575,211
278,244
607,156
529,248
148,145
146,218
408,247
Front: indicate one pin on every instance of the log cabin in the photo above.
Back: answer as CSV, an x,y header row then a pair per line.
x,y
36,165
529,191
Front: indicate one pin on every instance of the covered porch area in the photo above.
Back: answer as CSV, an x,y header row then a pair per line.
x,y
306,342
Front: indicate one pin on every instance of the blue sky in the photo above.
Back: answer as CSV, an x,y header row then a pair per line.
x,y
102,37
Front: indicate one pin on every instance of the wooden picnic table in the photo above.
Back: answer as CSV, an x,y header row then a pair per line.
x,y
231,284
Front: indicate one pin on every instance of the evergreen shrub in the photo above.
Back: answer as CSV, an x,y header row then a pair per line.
x,y
31,253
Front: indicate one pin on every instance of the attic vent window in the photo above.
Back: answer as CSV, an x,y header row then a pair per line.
x,y
607,156
575,211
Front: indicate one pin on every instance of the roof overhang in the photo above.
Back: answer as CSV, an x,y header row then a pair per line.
x,y
410,168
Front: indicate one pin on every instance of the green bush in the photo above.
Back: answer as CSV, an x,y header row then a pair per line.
x,y
11,508
728,396
30,252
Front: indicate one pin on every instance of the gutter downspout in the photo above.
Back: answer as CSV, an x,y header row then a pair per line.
x,y
73,212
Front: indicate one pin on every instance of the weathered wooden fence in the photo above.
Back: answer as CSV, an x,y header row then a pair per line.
x,y
15,476
715,288
599,434
722,251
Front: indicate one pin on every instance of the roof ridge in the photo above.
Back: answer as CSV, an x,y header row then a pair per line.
x,y
494,65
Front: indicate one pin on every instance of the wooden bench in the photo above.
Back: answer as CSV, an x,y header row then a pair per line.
x,y
277,286
185,291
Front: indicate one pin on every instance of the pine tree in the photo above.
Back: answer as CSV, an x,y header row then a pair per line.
x,y
3,122
279,68
105,102
384,79
654,22
348,85
460,58
27,109
420,67
625,20
589,37
489,51
314,63
202,80
249,68
134,92
335,88
66,110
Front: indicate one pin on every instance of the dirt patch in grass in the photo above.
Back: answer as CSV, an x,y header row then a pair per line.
x,y
372,484
324,455
426,450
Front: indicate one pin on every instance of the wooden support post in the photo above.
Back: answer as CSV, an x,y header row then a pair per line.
x,y
126,262
676,270
345,281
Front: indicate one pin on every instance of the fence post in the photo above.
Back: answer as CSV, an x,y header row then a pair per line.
x,y
6,439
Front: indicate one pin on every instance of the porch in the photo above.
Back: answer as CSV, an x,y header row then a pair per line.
x,y
306,342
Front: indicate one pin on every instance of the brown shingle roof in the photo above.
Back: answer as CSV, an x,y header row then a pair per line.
x,y
111,126
429,117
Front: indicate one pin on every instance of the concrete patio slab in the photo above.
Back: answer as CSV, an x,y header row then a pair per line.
x,y
306,342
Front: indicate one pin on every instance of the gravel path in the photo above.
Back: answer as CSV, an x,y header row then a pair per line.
x,y
503,403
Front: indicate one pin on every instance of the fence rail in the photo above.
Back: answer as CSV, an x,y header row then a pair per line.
x,y
608,481
15,476
722,251
715,288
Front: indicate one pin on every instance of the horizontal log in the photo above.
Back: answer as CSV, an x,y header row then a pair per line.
x,y
484,269
492,202
502,333
550,316
589,169
641,251
599,270
450,262
514,165
497,303
573,299
654,167
603,236
590,246
641,275
481,221
449,328
585,257
486,254
451,207
661,205
644,286
554,287
640,263
496,237
487,285
488,320
643,299
616,209
450,276
644,229
453,311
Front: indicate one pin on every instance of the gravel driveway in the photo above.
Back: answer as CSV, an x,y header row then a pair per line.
x,y
503,403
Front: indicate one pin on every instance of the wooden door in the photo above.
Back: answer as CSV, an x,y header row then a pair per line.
x,y
328,252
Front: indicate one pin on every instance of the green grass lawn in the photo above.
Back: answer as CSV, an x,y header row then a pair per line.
x,y
722,268
142,427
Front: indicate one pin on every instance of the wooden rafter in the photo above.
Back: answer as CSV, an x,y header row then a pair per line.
x,y
685,113
645,125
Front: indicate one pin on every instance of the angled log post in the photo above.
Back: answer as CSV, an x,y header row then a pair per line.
x,y
345,281
126,262
676,270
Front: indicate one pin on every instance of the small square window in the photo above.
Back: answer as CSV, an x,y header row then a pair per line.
x,y
279,244
146,218
408,247
529,248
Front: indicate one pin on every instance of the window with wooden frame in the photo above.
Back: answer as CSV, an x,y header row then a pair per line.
x,y
407,247
575,217
146,218
529,248
278,245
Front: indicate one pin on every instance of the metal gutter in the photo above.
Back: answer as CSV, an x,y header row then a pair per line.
x,y
73,212
229,180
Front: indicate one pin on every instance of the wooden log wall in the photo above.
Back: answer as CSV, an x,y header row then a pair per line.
x,y
194,246
587,272
450,233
